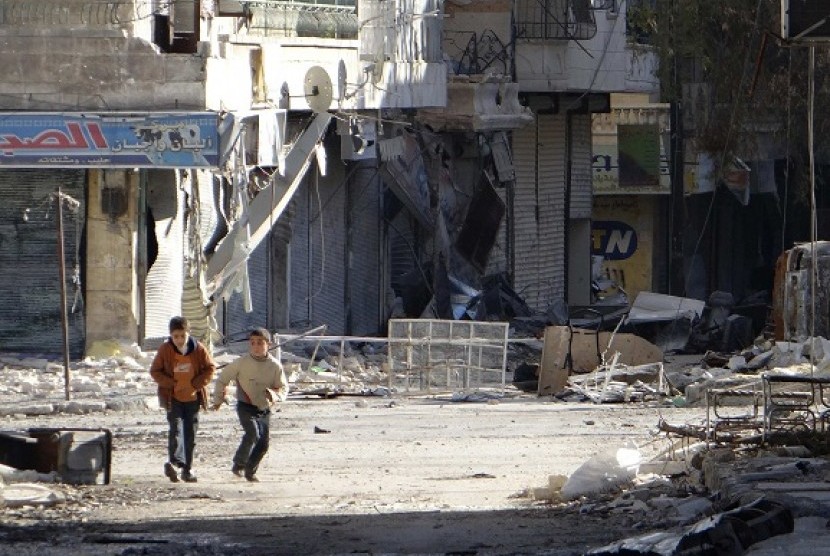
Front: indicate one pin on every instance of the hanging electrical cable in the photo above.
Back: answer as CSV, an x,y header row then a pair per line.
x,y
811,97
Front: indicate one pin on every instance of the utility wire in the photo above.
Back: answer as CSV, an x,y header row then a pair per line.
x,y
811,100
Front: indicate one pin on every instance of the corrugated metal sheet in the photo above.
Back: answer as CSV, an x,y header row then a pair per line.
x,y
581,178
365,288
203,214
30,307
539,211
402,259
164,281
497,261
209,192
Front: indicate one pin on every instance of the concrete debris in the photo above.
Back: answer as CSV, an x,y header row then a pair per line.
x,y
9,475
27,494
729,533
487,397
617,383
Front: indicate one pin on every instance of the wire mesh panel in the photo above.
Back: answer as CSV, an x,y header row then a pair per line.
x,y
428,355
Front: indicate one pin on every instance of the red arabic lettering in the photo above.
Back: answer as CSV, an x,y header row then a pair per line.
x,y
50,139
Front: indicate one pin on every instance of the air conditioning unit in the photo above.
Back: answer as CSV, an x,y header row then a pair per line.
x,y
805,20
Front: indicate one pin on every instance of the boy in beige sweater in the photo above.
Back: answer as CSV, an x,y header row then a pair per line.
x,y
260,383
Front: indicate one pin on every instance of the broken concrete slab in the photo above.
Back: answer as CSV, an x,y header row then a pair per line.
x,y
34,408
27,494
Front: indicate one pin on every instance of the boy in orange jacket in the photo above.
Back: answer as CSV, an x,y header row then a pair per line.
x,y
182,368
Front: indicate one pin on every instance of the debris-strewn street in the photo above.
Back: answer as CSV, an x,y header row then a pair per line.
x,y
367,470
391,476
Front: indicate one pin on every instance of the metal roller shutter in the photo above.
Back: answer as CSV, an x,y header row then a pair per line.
x,y
363,225
327,229
237,321
525,221
30,279
553,211
581,200
540,211
318,252
300,252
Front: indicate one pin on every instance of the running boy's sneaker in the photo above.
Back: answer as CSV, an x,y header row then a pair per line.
x,y
171,473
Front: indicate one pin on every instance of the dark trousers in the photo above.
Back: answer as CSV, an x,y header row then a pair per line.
x,y
254,445
183,418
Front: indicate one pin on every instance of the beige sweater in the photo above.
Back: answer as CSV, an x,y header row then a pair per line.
x,y
253,381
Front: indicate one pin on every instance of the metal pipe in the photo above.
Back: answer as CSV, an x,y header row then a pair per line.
x,y
62,269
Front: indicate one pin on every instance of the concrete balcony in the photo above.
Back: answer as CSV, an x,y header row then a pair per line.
x,y
476,103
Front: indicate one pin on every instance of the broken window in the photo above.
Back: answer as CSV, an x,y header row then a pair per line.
x,y
176,26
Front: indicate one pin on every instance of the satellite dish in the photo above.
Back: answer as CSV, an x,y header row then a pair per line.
x,y
341,81
317,89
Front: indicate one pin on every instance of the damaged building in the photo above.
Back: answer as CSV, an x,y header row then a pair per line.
x,y
289,165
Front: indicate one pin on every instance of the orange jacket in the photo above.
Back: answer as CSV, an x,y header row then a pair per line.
x,y
162,371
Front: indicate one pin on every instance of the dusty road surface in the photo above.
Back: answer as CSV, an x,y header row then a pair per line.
x,y
391,476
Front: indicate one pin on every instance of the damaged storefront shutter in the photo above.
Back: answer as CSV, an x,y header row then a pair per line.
x,y
406,273
497,262
165,234
539,211
30,315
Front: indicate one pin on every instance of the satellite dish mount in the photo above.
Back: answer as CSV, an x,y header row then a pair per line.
x,y
317,89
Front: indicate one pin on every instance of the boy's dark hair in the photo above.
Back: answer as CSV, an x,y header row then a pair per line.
x,y
260,333
178,323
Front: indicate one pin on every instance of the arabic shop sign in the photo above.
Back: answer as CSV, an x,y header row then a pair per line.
x,y
105,141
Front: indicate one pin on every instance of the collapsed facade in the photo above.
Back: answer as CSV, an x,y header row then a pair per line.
x,y
291,164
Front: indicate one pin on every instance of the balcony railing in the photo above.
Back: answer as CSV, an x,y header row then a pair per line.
x,y
555,19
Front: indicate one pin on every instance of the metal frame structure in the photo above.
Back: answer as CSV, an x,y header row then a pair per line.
x,y
428,355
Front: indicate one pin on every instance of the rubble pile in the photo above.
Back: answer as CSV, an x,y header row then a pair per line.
x,y
698,497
